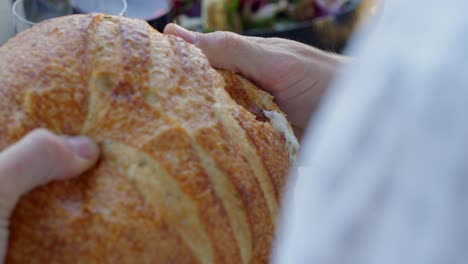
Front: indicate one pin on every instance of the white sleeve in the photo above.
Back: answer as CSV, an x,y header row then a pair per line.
x,y
383,176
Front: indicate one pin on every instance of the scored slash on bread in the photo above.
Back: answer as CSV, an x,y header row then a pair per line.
x,y
192,166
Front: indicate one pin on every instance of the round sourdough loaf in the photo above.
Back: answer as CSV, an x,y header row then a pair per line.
x,y
193,160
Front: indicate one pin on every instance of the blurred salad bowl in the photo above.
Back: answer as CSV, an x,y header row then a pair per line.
x,y
326,24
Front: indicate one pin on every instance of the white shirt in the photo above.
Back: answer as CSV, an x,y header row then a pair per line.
x,y
383,173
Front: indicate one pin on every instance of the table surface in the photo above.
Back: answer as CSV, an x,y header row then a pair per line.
x,y
6,29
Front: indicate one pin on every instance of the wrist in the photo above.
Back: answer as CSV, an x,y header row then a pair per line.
x,y
326,64
320,69
3,243
3,237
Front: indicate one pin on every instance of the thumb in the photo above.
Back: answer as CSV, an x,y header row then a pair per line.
x,y
39,158
225,50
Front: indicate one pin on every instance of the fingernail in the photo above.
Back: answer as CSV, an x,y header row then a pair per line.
x,y
187,35
83,147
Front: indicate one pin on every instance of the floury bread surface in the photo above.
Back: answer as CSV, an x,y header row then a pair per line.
x,y
191,169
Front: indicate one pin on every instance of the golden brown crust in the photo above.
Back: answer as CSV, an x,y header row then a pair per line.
x,y
213,140
191,168
261,134
248,96
188,170
98,218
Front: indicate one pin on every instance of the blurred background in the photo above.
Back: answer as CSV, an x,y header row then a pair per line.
x,y
326,24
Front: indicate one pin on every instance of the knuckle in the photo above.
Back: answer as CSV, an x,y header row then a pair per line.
x,y
276,40
56,154
48,143
227,40
41,135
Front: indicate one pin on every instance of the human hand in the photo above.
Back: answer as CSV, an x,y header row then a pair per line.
x,y
295,74
38,158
